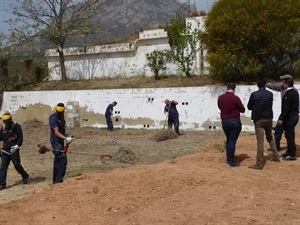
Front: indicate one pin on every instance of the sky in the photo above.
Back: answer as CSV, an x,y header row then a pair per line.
x,y
4,4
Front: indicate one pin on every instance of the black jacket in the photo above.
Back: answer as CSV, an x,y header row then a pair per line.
x,y
261,104
11,136
289,104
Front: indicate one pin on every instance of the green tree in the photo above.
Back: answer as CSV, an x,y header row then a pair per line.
x,y
4,58
157,61
249,39
4,66
54,21
28,64
183,41
39,73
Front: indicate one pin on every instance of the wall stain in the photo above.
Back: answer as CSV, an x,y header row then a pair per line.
x,y
36,111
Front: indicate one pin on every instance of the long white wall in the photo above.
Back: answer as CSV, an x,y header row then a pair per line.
x,y
137,108
121,60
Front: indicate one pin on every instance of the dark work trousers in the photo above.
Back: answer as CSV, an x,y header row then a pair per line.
x,y
15,158
279,129
109,122
232,129
174,120
289,127
60,163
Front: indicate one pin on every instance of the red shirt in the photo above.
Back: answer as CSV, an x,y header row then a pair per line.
x,y
230,106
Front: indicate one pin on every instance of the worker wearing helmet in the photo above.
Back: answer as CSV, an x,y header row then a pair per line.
x,y
57,138
12,136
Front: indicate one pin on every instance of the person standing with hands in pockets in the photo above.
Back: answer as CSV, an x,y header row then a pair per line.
x,y
231,107
261,104
57,138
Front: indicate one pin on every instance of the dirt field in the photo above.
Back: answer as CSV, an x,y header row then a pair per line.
x,y
181,181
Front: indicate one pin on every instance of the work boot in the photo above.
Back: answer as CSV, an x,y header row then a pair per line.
x,y
25,180
257,166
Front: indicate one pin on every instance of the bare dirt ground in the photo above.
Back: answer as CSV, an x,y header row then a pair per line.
x,y
181,181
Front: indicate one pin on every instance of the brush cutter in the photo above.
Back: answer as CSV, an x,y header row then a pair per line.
x,y
42,149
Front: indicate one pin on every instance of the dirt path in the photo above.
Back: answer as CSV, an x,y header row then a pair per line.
x,y
195,188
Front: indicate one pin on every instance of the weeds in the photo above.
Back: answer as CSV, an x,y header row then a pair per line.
x,y
220,147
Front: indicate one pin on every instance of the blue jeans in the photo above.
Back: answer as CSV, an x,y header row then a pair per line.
x,y
279,129
232,129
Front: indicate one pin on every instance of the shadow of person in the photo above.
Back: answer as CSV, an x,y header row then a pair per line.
x,y
32,180
241,157
35,180
297,150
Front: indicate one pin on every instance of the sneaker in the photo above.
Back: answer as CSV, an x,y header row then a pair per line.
x,y
233,164
257,166
2,187
289,158
285,155
25,180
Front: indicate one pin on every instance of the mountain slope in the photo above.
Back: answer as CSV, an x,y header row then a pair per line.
x,y
121,18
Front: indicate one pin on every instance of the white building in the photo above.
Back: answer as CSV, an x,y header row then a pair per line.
x,y
120,60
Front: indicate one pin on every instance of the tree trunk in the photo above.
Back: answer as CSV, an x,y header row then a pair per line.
x,y
62,66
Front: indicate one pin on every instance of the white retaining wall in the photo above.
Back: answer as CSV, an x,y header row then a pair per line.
x,y
137,108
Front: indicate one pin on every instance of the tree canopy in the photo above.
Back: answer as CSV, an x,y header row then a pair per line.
x,y
53,21
251,39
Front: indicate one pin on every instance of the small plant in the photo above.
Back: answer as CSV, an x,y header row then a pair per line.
x,y
173,161
220,147
157,61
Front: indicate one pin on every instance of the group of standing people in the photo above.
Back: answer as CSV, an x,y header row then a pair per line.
x,y
261,105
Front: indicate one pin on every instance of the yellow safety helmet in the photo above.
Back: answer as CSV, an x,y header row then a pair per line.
x,y
6,116
60,107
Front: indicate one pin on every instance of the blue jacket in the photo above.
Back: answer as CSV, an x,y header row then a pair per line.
x,y
56,120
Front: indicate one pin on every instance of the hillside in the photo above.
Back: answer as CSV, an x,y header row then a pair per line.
x,y
122,18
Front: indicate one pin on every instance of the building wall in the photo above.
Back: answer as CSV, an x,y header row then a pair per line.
x,y
136,108
120,60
